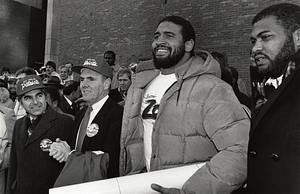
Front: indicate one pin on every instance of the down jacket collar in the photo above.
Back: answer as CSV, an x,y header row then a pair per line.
x,y
202,63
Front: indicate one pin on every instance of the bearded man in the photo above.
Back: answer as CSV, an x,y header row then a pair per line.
x,y
179,112
273,154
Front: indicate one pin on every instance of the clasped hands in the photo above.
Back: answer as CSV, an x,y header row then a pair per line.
x,y
59,150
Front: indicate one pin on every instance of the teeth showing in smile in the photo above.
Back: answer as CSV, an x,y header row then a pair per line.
x,y
162,51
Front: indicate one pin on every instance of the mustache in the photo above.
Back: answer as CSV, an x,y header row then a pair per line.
x,y
254,54
162,46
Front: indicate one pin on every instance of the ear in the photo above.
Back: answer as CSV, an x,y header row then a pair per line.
x,y
55,103
189,45
107,83
296,38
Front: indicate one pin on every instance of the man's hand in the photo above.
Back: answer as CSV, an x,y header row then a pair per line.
x,y
59,150
163,190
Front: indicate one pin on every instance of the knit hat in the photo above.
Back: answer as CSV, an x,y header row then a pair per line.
x,y
96,64
28,83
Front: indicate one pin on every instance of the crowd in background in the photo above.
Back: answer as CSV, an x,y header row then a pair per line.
x,y
176,109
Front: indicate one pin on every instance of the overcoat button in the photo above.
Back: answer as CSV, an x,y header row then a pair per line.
x,y
275,157
253,154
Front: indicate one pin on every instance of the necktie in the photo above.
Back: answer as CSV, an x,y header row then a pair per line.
x,y
83,128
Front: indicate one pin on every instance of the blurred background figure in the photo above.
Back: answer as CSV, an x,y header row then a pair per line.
x,y
63,72
55,82
72,75
71,92
119,94
81,103
44,78
132,67
243,98
5,72
110,58
4,95
11,86
53,99
43,70
51,69
3,160
222,60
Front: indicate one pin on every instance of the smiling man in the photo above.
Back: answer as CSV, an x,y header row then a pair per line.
x,y
179,112
31,169
98,126
273,154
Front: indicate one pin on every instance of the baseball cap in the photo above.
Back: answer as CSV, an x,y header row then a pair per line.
x,y
96,64
28,83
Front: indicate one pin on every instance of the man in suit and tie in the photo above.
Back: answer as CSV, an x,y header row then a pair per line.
x,y
98,126
119,94
71,92
273,153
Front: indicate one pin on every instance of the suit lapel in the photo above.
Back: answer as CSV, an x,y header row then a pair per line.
x,y
66,105
99,119
42,126
23,130
273,98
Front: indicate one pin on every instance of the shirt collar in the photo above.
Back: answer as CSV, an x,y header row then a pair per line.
x,y
98,105
69,101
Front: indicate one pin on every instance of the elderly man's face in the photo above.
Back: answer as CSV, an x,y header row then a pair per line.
x,y
34,102
92,85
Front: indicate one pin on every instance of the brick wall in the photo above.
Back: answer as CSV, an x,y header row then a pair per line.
x,y
127,26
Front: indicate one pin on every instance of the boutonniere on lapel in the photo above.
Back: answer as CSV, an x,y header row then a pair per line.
x,y
45,145
92,130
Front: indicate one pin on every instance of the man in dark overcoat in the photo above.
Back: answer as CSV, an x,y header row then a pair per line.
x,y
32,170
273,153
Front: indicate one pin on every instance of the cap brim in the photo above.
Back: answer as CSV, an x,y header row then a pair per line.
x,y
40,87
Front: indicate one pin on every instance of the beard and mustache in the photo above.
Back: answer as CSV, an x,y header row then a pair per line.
x,y
280,62
172,59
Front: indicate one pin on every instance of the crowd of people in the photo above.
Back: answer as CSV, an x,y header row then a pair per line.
x,y
98,120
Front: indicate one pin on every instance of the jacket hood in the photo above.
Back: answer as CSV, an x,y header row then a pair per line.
x,y
200,64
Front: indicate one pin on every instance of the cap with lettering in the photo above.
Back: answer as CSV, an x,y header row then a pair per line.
x,y
96,64
28,83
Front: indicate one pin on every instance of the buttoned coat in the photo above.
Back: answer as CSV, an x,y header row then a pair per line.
x,y
31,169
273,154
109,120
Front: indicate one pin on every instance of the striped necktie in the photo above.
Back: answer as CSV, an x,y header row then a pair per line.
x,y
83,128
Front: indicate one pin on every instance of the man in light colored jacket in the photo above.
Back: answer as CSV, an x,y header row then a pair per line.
x,y
179,112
